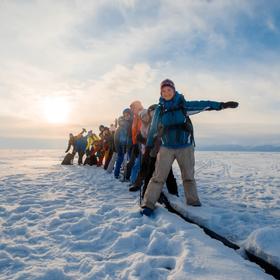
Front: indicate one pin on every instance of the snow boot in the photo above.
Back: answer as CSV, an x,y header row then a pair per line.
x,y
195,204
146,211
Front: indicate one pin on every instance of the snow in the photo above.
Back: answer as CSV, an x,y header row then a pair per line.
x,y
76,222
240,193
265,243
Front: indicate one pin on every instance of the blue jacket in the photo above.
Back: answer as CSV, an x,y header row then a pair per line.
x,y
121,138
81,144
170,119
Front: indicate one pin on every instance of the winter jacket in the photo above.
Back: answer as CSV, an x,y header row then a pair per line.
x,y
144,130
170,120
136,127
73,140
121,136
81,144
90,140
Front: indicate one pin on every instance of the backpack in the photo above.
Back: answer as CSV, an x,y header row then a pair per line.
x,y
183,121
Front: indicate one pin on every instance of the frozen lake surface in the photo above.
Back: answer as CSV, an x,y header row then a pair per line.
x,y
77,222
240,193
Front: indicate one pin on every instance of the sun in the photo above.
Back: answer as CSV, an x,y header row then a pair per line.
x,y
56,109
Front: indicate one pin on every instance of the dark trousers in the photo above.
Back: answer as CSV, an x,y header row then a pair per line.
x,y
80,159
143,170
130,164
108,159
171,183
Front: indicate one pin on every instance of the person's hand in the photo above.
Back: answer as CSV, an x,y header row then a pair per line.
x,y
229,104
140,139
84,130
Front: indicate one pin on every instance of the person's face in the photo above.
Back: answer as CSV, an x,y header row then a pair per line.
x,y
146,118
167,93
136,107
126,116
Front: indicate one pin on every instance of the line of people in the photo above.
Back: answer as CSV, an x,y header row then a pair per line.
x,y
142,145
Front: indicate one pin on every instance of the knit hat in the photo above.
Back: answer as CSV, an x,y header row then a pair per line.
x,y
127,110
143,113
167,83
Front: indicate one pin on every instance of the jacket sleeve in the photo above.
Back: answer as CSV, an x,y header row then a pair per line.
x,y
194,107
136,126
89,143
68,148
154,128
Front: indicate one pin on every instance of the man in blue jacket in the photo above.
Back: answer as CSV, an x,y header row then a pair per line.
x,y
171,122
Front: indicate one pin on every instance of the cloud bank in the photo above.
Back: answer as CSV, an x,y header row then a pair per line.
x,y
101,55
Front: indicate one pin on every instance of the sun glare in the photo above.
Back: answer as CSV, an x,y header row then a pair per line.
x,y
56,109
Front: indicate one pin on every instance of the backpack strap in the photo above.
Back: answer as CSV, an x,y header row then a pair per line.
x,y
188,126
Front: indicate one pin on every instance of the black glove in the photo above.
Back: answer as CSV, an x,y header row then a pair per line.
x,y
140,139
230,104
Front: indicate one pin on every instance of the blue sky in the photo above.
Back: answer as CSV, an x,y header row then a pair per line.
x,y
99,56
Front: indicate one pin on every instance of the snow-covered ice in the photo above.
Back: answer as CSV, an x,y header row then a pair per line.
x,y
240,193
76,222
265,243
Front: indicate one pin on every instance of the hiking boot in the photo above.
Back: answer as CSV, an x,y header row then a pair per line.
x,y
121,179
195,204
134,188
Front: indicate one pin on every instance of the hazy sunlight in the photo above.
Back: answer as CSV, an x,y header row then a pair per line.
x,y
56,109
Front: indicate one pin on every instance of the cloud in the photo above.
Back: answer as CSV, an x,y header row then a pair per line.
x,y
107,96
101,55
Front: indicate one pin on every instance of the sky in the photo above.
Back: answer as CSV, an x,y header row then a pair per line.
x,y
68,64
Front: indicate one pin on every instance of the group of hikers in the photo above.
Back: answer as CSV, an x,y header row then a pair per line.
x,y
142,144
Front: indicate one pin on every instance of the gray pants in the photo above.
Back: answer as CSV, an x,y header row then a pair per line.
x,y
165,158
112,163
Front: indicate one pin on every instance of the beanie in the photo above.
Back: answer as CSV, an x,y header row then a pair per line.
x,y
167,83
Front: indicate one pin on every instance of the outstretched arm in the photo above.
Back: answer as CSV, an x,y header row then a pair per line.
x,y
68,148
194,107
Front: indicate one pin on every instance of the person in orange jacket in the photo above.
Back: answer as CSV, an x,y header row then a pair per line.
x,y
135,107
